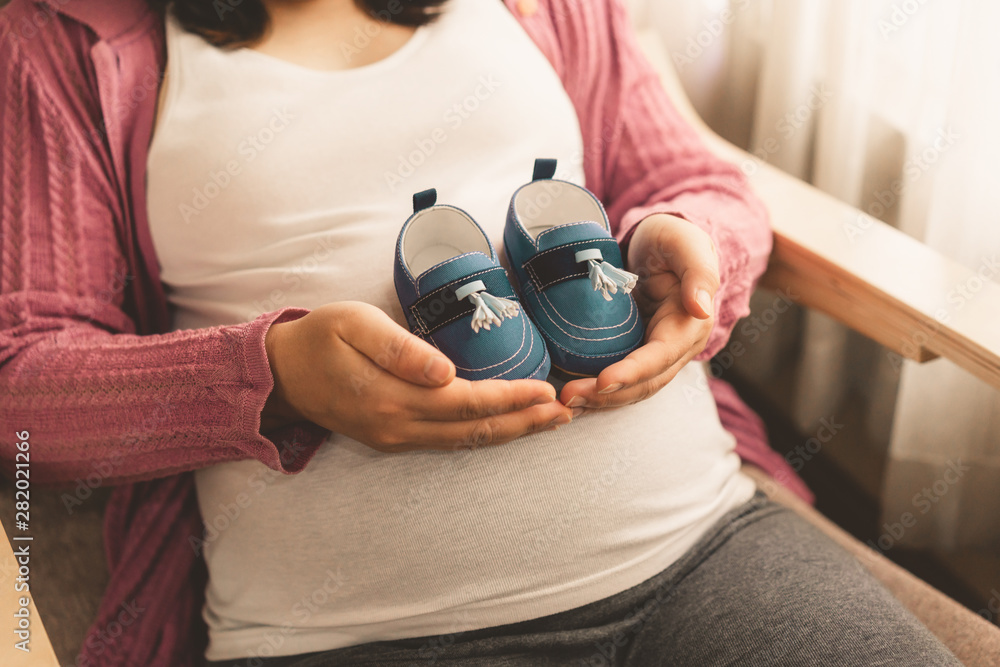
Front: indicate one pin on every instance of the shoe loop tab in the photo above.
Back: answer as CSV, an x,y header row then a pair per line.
x,y
544,168
589,253
424,199
470,288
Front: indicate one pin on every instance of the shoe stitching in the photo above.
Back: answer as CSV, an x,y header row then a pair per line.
x,y
534,277
589,340
449,261
574,224
517,219
631,308
579,355
545,358
524,334
529,268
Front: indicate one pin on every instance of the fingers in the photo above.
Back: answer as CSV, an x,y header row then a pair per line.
x,y
699,293
641,365
655,290
462,400
489,431
670,333
394,349
673,337
658,287
698,268
393,415
584,394
689,253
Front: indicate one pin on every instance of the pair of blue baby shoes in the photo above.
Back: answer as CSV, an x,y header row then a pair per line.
x,y
572,311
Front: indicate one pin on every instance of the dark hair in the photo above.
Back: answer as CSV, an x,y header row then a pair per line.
x,y
239,22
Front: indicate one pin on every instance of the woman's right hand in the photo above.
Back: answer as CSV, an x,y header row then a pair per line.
x,y
349,367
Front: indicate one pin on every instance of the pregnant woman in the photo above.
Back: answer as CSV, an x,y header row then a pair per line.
x,y
257,187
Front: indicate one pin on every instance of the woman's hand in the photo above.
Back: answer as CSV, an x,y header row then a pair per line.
x,y
679,276
350,368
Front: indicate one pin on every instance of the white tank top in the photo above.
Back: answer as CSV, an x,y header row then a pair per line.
x,y
273,185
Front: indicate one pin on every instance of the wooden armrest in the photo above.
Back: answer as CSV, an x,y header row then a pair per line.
x,y
864,273
39,653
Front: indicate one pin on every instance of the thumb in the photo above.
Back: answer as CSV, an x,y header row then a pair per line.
x,y
698,288
394,349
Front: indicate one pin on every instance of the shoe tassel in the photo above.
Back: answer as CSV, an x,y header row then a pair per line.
x,y
490,309
606,278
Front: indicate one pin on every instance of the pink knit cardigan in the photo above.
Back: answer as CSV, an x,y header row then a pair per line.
x,y
88,364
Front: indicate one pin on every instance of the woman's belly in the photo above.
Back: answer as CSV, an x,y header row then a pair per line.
x,y
363,546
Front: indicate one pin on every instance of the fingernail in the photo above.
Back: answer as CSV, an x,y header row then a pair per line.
x,y
436,370
576,402
561,420
577,412
542,400
704,300
611,388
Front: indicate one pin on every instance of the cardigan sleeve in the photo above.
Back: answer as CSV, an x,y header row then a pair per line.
x,y
94,397
641,157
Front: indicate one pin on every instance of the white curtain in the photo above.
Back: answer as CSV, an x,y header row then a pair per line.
x,y
894,107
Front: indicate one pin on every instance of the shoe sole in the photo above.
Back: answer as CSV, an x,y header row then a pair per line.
x,y
568,376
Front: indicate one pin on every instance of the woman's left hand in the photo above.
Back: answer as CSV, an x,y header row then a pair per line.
x,y
678,278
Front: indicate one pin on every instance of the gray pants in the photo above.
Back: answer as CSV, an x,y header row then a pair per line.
x,y
762,587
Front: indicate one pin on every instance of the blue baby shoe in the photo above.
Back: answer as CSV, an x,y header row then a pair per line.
x,y
457,297
569,271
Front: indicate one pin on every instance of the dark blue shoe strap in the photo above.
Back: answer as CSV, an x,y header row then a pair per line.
x,y
424,199
544,168
440,307
555,265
